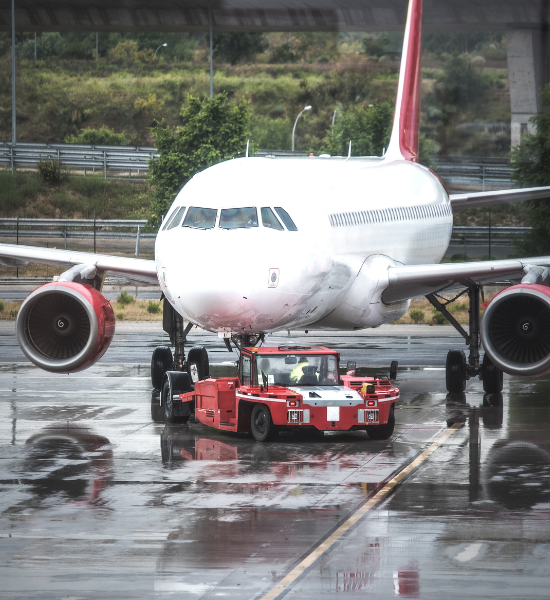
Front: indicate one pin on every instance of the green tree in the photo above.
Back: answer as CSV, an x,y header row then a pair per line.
x,y
214,129
368,129
235,47
460,84
531,167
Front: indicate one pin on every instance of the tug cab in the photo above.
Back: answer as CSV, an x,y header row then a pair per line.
x,y
289,387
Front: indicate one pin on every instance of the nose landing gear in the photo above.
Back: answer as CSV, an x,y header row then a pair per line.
x,y
167,368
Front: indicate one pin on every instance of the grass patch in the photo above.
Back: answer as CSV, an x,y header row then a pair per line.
x,y
76,197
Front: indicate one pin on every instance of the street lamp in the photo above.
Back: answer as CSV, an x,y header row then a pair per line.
x,y
161,46
296,122
334,116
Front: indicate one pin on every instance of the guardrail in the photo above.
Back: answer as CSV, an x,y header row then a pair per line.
x,y
133,160
123,229
97,159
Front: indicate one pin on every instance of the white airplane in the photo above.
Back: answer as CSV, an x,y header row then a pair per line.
x,y
256,245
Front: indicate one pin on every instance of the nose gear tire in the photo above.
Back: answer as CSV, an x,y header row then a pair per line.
x,y
161,361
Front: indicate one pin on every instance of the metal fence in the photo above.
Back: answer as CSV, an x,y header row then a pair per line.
x,y
128,160
117,237
133,238
131,161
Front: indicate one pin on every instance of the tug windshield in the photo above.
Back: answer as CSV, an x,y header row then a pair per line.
x,y
296,369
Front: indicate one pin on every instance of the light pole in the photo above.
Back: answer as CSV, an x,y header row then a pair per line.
x,y
296,122
13,109
161,46
334,116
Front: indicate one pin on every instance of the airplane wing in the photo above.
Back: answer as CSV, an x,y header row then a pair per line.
x,y
134,269
477,199
418,280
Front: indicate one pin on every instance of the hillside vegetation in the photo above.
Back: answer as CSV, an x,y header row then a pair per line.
x,y
129,87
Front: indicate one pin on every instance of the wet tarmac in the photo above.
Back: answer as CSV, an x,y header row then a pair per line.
x,y
411,345
96,500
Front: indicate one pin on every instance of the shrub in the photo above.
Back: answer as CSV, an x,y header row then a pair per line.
x,y
417,316
459,258
153,308
125,298
2,306
120,316
102,136
13,313
150,105
52,171
439,318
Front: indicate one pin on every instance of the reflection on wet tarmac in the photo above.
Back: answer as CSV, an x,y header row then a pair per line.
x,y
64,463
92,492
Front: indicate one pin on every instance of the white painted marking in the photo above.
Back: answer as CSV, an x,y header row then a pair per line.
x,y
468,553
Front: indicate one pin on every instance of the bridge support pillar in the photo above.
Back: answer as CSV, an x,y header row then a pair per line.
x,y
527,51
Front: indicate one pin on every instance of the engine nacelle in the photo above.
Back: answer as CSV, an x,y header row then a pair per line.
x,y
64,327
515,330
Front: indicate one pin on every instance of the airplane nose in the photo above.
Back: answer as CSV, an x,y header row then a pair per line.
x,y
219,297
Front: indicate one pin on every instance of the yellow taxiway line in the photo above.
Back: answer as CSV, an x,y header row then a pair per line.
x,y
311,558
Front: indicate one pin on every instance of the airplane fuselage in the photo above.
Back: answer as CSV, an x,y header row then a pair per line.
x,y
353,219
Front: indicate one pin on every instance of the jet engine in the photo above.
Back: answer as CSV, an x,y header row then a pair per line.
x,y
515,330
64,327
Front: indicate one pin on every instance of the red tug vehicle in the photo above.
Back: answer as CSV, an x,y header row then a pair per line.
x,y
284,387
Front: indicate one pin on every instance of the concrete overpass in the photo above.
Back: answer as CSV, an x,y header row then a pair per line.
x,y
525,22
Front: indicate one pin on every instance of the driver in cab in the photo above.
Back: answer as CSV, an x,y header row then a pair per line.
x,y
301,372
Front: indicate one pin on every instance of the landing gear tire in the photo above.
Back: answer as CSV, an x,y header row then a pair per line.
x,y
181,385
161,361
198,366
382,432
157,412
455,371
261,423
493,377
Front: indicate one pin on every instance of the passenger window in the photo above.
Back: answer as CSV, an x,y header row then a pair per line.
x,y
176,219
245,369
236,218
285,218
270,220
200,218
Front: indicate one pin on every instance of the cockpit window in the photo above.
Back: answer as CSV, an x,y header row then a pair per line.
x,y
285,218
200,218
270,220
169,218
233,218
176,219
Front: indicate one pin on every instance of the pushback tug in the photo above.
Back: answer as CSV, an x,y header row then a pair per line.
x,y
277,388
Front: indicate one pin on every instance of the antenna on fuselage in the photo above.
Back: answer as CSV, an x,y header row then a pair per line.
x,y
247,144
349,150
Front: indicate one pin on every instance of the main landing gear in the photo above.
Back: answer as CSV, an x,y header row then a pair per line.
x,y
458,368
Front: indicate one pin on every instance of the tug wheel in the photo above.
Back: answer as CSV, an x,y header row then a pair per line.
x,y
261,424
493,377
161,361
382,432
455,371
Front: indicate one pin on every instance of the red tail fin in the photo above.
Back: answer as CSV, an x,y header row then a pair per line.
x,y
404,136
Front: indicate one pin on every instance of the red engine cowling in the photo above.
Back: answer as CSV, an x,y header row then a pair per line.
x,y
64,327
515,330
